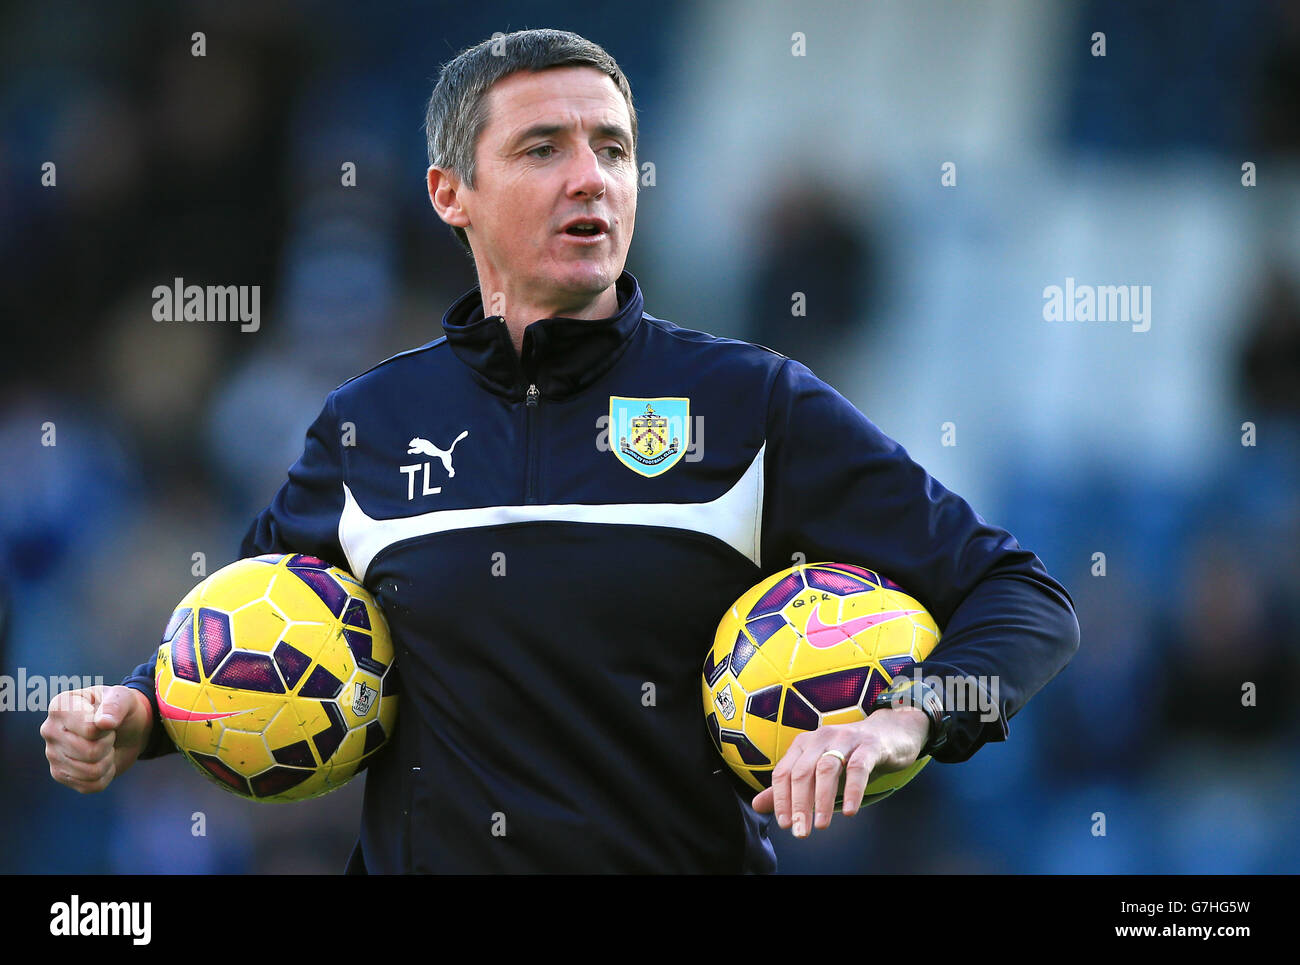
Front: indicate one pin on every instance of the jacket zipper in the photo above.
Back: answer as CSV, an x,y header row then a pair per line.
x,y
530,417
531,431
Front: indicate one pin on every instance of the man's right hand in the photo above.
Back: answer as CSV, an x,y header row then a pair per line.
x,y
94,734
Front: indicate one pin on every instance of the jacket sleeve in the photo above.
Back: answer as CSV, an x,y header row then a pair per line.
x,y
302,518
837,489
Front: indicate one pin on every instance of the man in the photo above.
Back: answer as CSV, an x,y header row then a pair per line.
x,y
541,575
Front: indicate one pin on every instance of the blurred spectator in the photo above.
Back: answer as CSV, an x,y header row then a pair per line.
x,y
1230,669
1277,83
814,247
1269,371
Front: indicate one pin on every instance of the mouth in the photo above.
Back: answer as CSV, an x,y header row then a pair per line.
x,y
586,231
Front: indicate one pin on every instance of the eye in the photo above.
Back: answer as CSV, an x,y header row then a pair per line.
x,y
619,153
542,147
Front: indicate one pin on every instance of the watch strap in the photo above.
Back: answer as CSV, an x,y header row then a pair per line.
x,y
906,691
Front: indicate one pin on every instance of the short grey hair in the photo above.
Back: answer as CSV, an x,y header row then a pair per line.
x,y
457,112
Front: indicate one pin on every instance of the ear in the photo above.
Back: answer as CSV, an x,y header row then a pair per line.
x,y
446,194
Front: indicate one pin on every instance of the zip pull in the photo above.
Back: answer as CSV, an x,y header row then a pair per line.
x,y
532,396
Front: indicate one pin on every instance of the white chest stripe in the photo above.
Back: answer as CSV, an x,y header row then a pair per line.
x,y
735,518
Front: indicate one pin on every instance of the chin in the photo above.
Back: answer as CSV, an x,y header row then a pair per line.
x,y
591,279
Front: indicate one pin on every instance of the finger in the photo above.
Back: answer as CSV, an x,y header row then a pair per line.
x,y
75,748
76,772
856,778
114,708
802,786
763,802
781,783
827,775
74,712
82,778
82,786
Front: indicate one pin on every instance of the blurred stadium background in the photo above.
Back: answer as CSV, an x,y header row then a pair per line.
x,y
774,174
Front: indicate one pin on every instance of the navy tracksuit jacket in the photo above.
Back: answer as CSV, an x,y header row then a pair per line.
x,y
535,593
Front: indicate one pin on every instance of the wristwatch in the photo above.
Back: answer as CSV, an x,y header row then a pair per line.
x,y
914,692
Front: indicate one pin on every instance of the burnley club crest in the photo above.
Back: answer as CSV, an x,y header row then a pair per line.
x,y
649,435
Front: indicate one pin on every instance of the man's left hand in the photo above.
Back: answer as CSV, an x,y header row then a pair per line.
x,y
886,741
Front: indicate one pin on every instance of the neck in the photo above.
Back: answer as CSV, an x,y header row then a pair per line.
x,y
519,314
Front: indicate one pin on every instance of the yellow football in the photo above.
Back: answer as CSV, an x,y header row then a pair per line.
x,y
275,677
811,645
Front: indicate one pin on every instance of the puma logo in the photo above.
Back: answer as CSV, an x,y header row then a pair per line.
x,y
424,447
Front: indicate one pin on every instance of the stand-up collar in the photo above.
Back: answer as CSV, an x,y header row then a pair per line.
x,y
561,356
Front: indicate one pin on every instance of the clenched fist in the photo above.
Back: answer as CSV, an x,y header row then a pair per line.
x,y
94,734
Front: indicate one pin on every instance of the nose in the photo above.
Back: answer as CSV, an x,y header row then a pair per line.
x,y
587,180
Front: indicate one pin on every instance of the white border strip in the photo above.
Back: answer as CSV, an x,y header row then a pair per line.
x,y
735,518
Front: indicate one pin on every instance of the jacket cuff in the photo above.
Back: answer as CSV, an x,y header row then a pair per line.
x,y
975,717
159,742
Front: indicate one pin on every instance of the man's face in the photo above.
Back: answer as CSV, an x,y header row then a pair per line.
x,y
557,147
